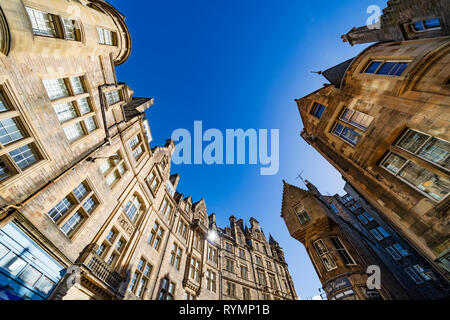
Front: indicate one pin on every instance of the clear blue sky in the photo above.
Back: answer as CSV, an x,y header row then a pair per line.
x,y
240,64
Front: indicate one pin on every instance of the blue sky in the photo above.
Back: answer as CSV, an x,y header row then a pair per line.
x,y
240,64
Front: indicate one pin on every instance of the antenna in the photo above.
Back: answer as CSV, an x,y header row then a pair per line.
x,y
299,176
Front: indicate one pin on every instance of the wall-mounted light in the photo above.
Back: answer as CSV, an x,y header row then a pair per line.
x,y
114,157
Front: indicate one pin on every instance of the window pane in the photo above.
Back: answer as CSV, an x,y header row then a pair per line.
x,y
72,223
361,120
13,263
398,69
112,178
74,132
90,124
84,106
437,151
89,205
77,85
60,209
418,26
346,115
80,191
338,129
24,156
30,275
3,251
433,23
10,131
41,22
412,141
350,136
65,111
69,29
44,285
4,170
394,162
435,186
386,68
373,67
56,88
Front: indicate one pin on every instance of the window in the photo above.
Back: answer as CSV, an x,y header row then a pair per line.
x,y
210,280
156,236
212,254
74,209
389,68
241,253
197,241
426,25
414,275
231,289
167,291
379,233
18,150
427,147
272,282
317,110
261,278
258,261
107,37
189,296
132,208
50,25
229,247
343,253
113,245
347,198
346,134
112,97
365,217
141,278
194,270
302,215
333,208
166,209
356,118
76,116
244,272
324,255
113,169
182,229
175,256
229,265
436,186
137,147
164,162
246,293
153,182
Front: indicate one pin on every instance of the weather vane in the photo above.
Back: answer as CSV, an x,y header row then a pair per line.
x,y
299,176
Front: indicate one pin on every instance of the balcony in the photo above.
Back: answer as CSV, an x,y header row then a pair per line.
x,y
102,271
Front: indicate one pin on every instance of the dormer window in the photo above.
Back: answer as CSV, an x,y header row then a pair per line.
x,y
426,25
317,110
387,68
301,214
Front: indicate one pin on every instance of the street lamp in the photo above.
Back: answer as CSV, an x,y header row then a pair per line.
x,y
114,157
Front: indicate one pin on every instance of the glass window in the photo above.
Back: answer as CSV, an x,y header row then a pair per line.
x,y
44,285
30,275
69,28
42,22
74,132
346,134
414,275
373,67
61,209
24,156
326,258
345,255
400,249
72,223
318,110
393,253
3,250
56,88
13,263
10,131
391,68
65,111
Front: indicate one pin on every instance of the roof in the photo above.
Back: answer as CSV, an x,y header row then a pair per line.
x,y
136,107
337,73
288,189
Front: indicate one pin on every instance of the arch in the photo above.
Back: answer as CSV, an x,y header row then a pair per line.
x,y
5,36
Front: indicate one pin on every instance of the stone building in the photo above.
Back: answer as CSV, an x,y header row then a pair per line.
x,y
88,209
383,122
345,236
412,272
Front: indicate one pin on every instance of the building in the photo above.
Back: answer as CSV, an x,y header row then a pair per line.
x,y
88,209
383,122
338,252
412,272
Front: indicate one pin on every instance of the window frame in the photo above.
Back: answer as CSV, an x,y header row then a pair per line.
x,y
383,62
114,168
140,275
325,253
425,27
317,110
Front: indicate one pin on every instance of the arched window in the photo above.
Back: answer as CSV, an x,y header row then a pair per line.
x,y
133,208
